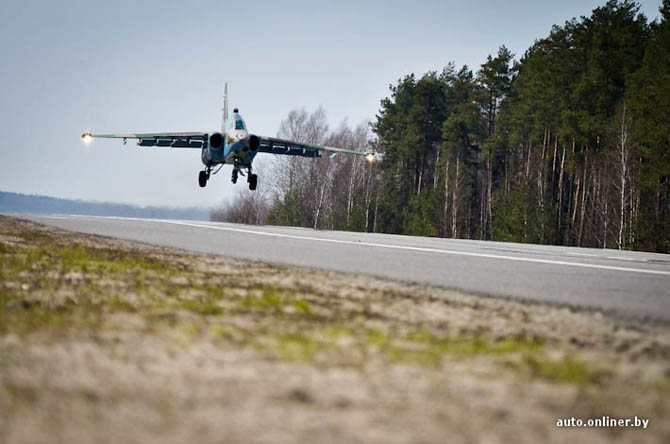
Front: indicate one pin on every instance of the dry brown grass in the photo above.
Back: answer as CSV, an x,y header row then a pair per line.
x,y
108,340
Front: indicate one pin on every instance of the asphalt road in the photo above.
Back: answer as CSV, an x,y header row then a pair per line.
x,y
628,284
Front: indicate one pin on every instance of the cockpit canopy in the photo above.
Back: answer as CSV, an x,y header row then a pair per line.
x,y
236,123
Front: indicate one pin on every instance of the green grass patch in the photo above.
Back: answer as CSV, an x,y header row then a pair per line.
x,y
201,306
298,346
568,369
663,384
6,248
468,346
303,307
49,283
276,301
189,331
428,349
118,304
418,347
268,300
26,317
220,331
376,337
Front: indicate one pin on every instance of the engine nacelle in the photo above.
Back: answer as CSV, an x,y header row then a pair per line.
x,y
254,143
216,140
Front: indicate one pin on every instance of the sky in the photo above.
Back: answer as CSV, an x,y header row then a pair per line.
x,y
159,66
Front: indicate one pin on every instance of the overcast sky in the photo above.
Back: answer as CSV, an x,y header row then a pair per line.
x,y
150,66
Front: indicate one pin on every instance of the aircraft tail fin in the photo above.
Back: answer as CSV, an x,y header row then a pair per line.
x,y
225,107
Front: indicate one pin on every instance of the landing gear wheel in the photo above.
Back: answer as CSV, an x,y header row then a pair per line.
x,y
253,181
202,179
234,178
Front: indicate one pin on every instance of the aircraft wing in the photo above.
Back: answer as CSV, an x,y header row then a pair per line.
x,y
290,148
172,140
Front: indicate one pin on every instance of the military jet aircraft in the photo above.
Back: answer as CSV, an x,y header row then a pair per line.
x,y
233,145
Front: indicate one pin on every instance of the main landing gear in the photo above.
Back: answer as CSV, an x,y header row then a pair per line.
x,y
252,179
203,177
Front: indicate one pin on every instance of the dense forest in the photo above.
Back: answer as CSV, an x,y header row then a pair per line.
x,y
569,145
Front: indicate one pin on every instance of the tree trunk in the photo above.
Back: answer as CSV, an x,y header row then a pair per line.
x,y
482,205
575,201
322,193
560,191
437,166
350,191
489,179
418,187
454,203
605,226
374,218
540,184
623,174
528,159
367,199
553,163
446,197
583,207
506,172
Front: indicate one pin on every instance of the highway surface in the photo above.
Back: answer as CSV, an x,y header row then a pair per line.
x,y
628,284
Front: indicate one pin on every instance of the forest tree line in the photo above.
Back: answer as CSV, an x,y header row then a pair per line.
x,y
569,145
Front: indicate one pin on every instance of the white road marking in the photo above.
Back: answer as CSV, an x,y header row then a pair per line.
x,y
394,247
423,249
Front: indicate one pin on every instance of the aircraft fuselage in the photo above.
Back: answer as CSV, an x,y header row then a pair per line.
x,y
234,146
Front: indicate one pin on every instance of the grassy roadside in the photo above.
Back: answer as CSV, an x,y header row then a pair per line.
x,y
57,287
126,302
